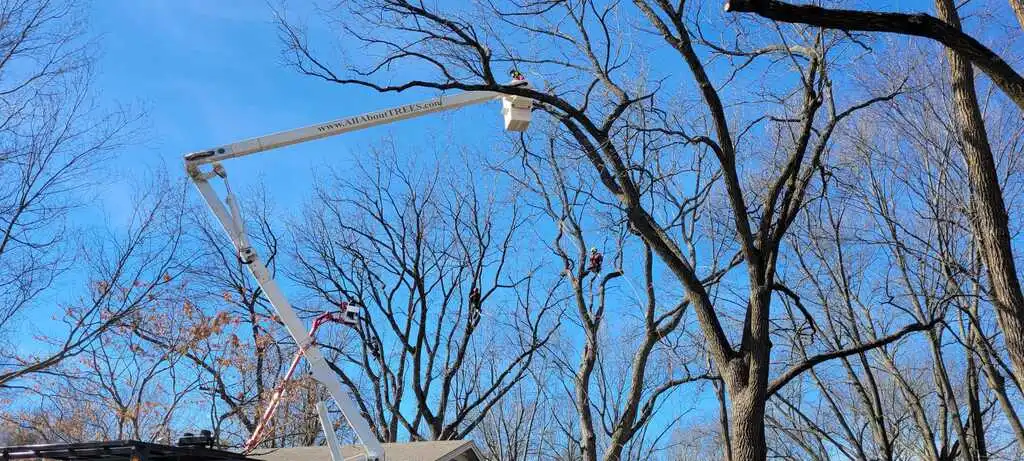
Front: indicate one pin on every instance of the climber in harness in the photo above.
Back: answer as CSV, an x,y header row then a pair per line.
x,y
474,305
595,261
516,75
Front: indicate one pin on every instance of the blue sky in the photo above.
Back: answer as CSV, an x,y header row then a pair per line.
x,y
210,73
207,73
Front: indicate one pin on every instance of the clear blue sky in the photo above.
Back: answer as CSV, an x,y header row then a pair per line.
x,y
207,72
210,72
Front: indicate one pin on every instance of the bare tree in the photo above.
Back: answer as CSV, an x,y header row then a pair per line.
x,y
219,323
942,29
454,313
991,219
521,425
460,51
989,216
617,389
770,231
120,388
51,135
102,384
894,231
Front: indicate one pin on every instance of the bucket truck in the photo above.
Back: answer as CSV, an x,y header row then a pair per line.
x,y
205,166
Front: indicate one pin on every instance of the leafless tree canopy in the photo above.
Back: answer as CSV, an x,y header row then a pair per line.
x,y
52,136
735,236
456,315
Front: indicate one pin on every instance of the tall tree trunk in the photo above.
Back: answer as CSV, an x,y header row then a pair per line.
x,y
945,388
723,420
747,378
875,410
998,386
979,348
917,409
990,220
975,421
748,409
588,439
1018,10
995,380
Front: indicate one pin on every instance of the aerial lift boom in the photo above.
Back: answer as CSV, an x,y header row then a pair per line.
x,y
516,111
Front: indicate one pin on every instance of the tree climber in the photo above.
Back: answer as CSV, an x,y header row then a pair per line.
x,y
595,261
474,305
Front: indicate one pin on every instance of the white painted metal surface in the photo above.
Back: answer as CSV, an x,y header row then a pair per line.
x,y
517,112
515,120
329,435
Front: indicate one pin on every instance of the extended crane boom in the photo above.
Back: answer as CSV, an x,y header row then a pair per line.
x,y
515,108
516,111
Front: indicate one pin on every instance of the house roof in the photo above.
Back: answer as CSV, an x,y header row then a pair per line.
x,y
448,450
117,450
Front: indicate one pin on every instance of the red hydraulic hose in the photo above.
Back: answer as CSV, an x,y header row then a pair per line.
x,y
275,400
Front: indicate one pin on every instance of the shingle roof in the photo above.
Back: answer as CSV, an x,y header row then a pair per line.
x,y
450,450
117,450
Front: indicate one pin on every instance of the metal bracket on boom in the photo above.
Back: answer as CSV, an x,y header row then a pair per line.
x,y
228,212
516,111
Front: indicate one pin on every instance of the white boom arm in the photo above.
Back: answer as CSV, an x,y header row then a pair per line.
x,y
516,111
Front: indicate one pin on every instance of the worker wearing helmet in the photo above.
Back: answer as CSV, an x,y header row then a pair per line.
x,y
595,261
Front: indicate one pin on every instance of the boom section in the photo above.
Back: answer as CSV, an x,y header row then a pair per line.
x,y
339,126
